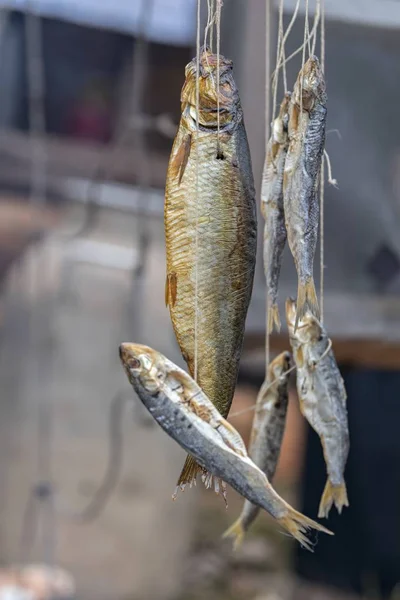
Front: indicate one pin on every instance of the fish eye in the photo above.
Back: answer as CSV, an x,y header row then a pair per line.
x,y
134,363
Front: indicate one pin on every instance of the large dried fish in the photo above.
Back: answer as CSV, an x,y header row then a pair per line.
x,y
307,118
225,247
266,435
322,398
182,409
272,209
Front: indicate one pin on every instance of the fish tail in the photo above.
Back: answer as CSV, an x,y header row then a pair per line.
x,y
189,472
237,532
273,318
333,494
306,298
298,525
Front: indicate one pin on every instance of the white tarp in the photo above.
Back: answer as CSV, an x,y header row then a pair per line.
x,y
171,22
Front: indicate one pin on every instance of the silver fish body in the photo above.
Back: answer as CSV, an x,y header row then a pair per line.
x,y
267,433
322,397
301,178
273,211
183,411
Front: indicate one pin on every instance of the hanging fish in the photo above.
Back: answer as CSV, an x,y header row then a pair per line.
x,y
307,118
182,409
266,435
272,209
322,398
221,258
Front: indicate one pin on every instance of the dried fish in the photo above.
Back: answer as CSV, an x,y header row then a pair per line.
x,y
307,118
182,409
266,434
224,249
272,209
322,398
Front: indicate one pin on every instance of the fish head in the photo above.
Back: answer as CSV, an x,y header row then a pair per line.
x,y
310,85
144,366
284,109
290,308
280,124
209,93
279,366
308,329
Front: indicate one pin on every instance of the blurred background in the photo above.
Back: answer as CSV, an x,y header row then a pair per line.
x,y
89,105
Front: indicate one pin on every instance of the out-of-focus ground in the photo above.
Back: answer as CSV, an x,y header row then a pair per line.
x,y
143,545
76,310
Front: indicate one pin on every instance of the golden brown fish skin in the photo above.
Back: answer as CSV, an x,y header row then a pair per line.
x,y
266,434
185,413
227,230
322,398
272,209
307,119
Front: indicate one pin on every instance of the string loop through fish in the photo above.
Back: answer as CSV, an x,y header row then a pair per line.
x,y
264,390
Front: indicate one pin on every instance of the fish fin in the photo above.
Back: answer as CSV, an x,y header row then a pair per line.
x,y
333,494
306,298
180,160
189,472
211,481
298,524
299,357
170,289
231,438
273,318
237,532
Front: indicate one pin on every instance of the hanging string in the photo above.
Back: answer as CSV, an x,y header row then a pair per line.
x,y
300,48
280,51
307,29
218,26
212,26
313,34
322,181
209,30
282,48
306,42
267,133
196,291
331,179
281,62
267,386
263,390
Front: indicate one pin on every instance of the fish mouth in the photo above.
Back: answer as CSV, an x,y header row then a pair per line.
x,y
290,307
124,352
212,101
310,83
286,361
130,353
281,364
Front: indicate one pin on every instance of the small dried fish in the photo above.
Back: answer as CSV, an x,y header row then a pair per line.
x,y
272,209
182,409
322,398
224,249
266,435
307,118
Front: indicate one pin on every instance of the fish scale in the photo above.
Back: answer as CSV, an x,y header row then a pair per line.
x,y
307,118
225,211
